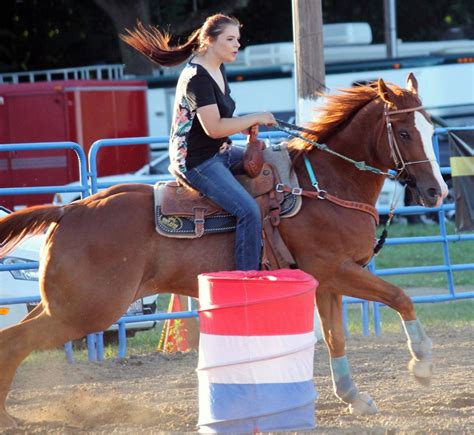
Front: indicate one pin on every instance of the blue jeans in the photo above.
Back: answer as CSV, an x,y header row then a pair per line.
x,y
215,179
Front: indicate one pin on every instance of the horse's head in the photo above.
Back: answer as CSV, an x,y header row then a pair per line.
x,y
408,143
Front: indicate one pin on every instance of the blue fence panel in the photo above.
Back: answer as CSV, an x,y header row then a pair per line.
x,y
43,146
89,183
102,143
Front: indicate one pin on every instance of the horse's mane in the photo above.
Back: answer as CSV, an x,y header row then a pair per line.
x,y
338,110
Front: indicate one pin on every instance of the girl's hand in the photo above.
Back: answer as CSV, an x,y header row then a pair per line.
x,y
266,118
251,130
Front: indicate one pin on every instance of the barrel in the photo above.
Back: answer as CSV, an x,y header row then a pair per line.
x,y
256,351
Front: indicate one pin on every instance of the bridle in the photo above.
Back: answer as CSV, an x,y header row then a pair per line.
x,y
400,163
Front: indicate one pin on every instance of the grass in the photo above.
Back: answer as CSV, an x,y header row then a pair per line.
x,y
143,343
452,315
419,254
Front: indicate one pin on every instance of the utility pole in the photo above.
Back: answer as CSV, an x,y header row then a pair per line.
x,y
309,55
390,21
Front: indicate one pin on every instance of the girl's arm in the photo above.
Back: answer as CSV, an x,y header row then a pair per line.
x,y
216,127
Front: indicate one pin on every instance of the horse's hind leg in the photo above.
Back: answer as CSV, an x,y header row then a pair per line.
x,y
330,313
17,342
36,311
360,283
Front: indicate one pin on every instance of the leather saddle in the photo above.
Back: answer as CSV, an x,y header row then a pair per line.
x,y
181,211
178,206
179,199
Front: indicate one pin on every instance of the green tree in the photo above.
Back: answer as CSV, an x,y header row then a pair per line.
x,y
417,20
422,20
41,34
54,33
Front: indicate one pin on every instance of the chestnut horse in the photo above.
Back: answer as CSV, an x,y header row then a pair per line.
x,y
102,253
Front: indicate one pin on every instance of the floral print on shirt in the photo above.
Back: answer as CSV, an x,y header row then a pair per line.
x,y
182,122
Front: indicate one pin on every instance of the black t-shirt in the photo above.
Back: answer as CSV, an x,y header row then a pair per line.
x,y
189,144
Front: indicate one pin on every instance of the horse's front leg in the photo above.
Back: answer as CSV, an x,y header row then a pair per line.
x,y
360,283
330,313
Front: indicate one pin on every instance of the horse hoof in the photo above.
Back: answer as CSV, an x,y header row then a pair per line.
x,y
6,420
363,405
422,370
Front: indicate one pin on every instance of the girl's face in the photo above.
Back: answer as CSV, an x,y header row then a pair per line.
x,y
226,45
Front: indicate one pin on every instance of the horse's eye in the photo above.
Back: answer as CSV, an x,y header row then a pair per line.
x,y
404,134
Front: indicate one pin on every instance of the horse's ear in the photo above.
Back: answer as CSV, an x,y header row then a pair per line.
x,y
412,84
385,92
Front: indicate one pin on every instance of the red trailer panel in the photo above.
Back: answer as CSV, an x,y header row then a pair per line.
x,y
30,120
5,166
76,110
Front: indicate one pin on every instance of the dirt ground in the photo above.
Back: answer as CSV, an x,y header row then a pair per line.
x,y
155,393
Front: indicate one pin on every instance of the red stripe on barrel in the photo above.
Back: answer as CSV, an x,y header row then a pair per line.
x,y
256,303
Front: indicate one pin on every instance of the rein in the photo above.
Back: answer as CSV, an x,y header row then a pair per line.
x,y
396,155
290,129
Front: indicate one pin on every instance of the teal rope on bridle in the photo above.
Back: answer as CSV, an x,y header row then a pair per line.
x,y
312,175
292,129
362,166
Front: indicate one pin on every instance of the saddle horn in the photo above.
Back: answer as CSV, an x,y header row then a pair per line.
x,y
253,156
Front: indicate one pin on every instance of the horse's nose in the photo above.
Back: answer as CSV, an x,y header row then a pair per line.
x,y
436,195
433,193
441,191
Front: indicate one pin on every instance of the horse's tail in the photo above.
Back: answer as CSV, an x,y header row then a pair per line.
x,y
27,222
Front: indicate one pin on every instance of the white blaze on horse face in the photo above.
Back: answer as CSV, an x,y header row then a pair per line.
x,y
426,129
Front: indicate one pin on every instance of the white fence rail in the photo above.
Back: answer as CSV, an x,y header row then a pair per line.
x,y
95,72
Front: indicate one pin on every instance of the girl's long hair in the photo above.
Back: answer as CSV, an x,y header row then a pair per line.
x,y
155,45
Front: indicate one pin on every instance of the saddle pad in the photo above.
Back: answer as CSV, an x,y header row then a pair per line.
x,y
278,156
183,226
